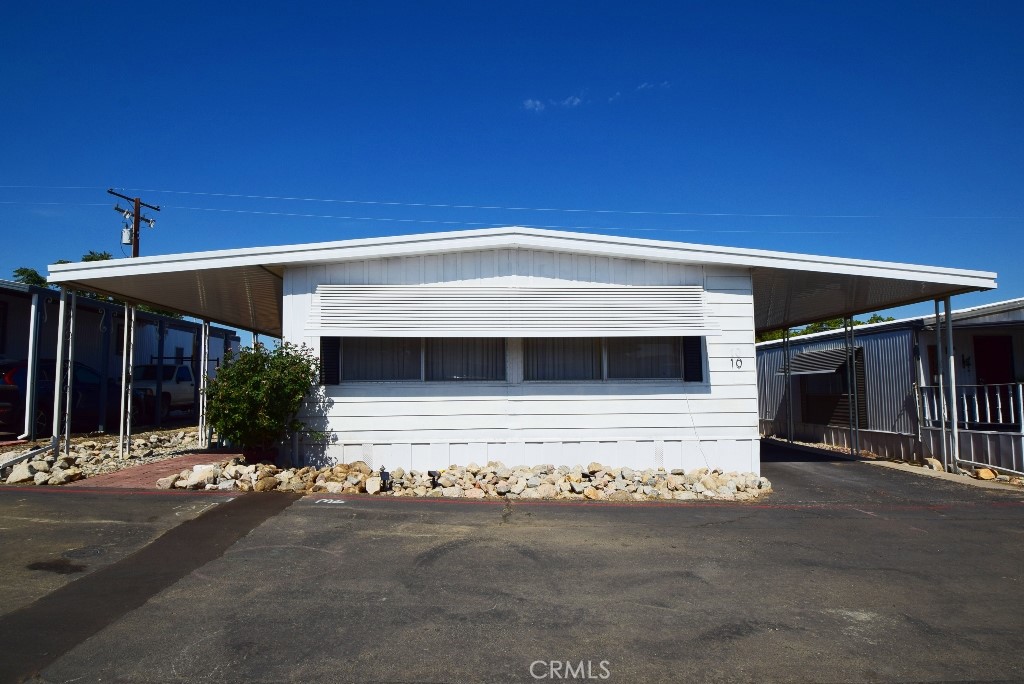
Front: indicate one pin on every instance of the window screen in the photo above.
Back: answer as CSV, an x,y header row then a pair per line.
x,y
370,359
454,359
562,358
644,358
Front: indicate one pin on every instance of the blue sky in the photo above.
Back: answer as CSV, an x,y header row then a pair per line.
x,y
890,131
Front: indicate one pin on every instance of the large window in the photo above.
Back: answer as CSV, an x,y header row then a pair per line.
x,y
382,359
614,358
398,359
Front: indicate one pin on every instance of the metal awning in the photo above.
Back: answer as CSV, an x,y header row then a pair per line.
x,y
459,310
817,362
244,288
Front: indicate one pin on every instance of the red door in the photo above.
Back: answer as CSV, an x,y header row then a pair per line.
x,y
993,359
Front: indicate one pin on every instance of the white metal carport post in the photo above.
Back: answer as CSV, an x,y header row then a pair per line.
x,y
941,389
63,379
58,379
204,365
127,355
70,379
30,379
789,385
852,397
953,399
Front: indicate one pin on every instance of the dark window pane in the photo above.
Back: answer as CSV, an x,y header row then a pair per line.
x,y
693,359
457,359
562,358
330,360
644,358
369,359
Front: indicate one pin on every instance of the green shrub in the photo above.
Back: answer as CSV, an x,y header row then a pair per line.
x,y
255,399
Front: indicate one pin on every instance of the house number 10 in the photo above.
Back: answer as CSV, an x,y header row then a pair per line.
x,y
737,363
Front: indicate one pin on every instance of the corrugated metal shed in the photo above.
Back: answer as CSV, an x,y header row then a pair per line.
x,y
889,375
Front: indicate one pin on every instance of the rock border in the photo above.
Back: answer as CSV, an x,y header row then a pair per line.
x,y
594,482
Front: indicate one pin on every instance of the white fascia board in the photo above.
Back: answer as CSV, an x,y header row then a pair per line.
x,y
838,332
511,238
983,310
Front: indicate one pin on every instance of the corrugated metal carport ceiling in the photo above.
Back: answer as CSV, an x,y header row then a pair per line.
x,y
785,298
246,297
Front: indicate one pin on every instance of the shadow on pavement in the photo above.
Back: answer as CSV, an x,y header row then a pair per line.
x,y
775,452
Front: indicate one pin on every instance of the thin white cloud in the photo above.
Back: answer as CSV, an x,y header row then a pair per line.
x,y
532,105
647,85
616,96
571,101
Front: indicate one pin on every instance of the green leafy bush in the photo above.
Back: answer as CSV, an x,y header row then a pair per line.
x,y
255,399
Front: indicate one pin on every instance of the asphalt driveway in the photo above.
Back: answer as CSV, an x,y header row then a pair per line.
x,y
849,572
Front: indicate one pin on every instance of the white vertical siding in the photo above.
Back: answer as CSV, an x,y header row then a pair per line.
x,y
639,424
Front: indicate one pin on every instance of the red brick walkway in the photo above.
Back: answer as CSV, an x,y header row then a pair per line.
x,y
145,476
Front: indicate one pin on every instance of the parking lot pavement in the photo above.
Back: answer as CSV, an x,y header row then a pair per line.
x,y
53,536
848,573
801,477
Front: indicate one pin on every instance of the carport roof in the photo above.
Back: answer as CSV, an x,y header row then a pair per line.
x,y
244,287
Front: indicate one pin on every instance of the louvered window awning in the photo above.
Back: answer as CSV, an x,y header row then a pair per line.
x,y
459,311
818,361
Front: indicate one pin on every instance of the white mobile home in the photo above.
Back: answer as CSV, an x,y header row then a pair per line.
x,y
525,345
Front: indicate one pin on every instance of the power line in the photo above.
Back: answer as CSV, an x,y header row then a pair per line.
x,y
58,204
486,207
493,225
429,205
50,187
439,222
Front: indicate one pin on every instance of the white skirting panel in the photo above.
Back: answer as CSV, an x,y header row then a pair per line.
x,y
740,455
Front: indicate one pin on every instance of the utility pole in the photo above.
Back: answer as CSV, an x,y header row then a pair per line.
x,y
136,217
125,428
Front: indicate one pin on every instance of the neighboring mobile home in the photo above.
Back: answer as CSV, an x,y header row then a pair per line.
x,y
899,405
99,338
524,345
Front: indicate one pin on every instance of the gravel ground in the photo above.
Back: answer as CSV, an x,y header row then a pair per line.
x,y
97,454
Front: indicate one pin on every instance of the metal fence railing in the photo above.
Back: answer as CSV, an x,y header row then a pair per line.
x,y
979,407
